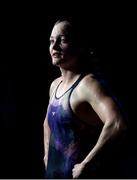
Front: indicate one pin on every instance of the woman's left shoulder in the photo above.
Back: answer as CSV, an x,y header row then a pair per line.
x,y
91,80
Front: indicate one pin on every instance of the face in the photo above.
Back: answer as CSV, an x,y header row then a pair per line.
x,y
61,47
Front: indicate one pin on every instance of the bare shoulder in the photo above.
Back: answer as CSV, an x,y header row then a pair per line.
x,y
91,88
90,82
54,85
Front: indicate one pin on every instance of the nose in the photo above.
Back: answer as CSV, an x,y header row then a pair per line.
x,y
56,45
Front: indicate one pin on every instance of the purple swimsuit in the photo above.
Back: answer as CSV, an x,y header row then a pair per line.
x,y
69,140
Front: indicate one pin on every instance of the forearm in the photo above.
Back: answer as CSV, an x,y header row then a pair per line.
x,y
46,143
46,148
109,131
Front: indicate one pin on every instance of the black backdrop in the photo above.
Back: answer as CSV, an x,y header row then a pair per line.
x,y
27,73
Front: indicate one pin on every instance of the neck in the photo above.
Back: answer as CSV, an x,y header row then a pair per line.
x,y
69,75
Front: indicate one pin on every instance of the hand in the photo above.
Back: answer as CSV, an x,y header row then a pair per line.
x,y
77,170
45,161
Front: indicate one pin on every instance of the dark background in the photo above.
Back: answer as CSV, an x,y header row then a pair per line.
x,y
27,73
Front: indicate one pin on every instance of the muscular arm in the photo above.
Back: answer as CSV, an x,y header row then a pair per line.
x,y
46,126
113,125
46,141
109,114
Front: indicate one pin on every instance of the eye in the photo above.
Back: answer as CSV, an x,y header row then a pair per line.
x,y
64,40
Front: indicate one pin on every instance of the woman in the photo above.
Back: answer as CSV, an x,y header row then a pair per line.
x,y
82,116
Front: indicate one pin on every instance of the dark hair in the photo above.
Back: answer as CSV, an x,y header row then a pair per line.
x,y
82,37
79,32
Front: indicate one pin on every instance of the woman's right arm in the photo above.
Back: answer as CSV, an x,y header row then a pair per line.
x,y
46,140
46,126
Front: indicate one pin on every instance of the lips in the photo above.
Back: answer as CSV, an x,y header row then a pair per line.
x,y
56,54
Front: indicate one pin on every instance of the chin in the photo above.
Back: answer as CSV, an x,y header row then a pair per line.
x,y
56,62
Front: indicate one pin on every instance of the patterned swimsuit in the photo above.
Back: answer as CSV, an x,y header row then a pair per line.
x,y
69,141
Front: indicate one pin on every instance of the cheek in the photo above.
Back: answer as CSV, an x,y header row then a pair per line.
x,y
67,49
50,49
70,50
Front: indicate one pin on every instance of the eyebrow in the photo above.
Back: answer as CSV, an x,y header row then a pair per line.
x,y
62,35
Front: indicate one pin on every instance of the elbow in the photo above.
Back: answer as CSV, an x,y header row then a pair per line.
x,y
120,127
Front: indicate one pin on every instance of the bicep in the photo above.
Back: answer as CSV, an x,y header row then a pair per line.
x,y
46,126
101,102
107,109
